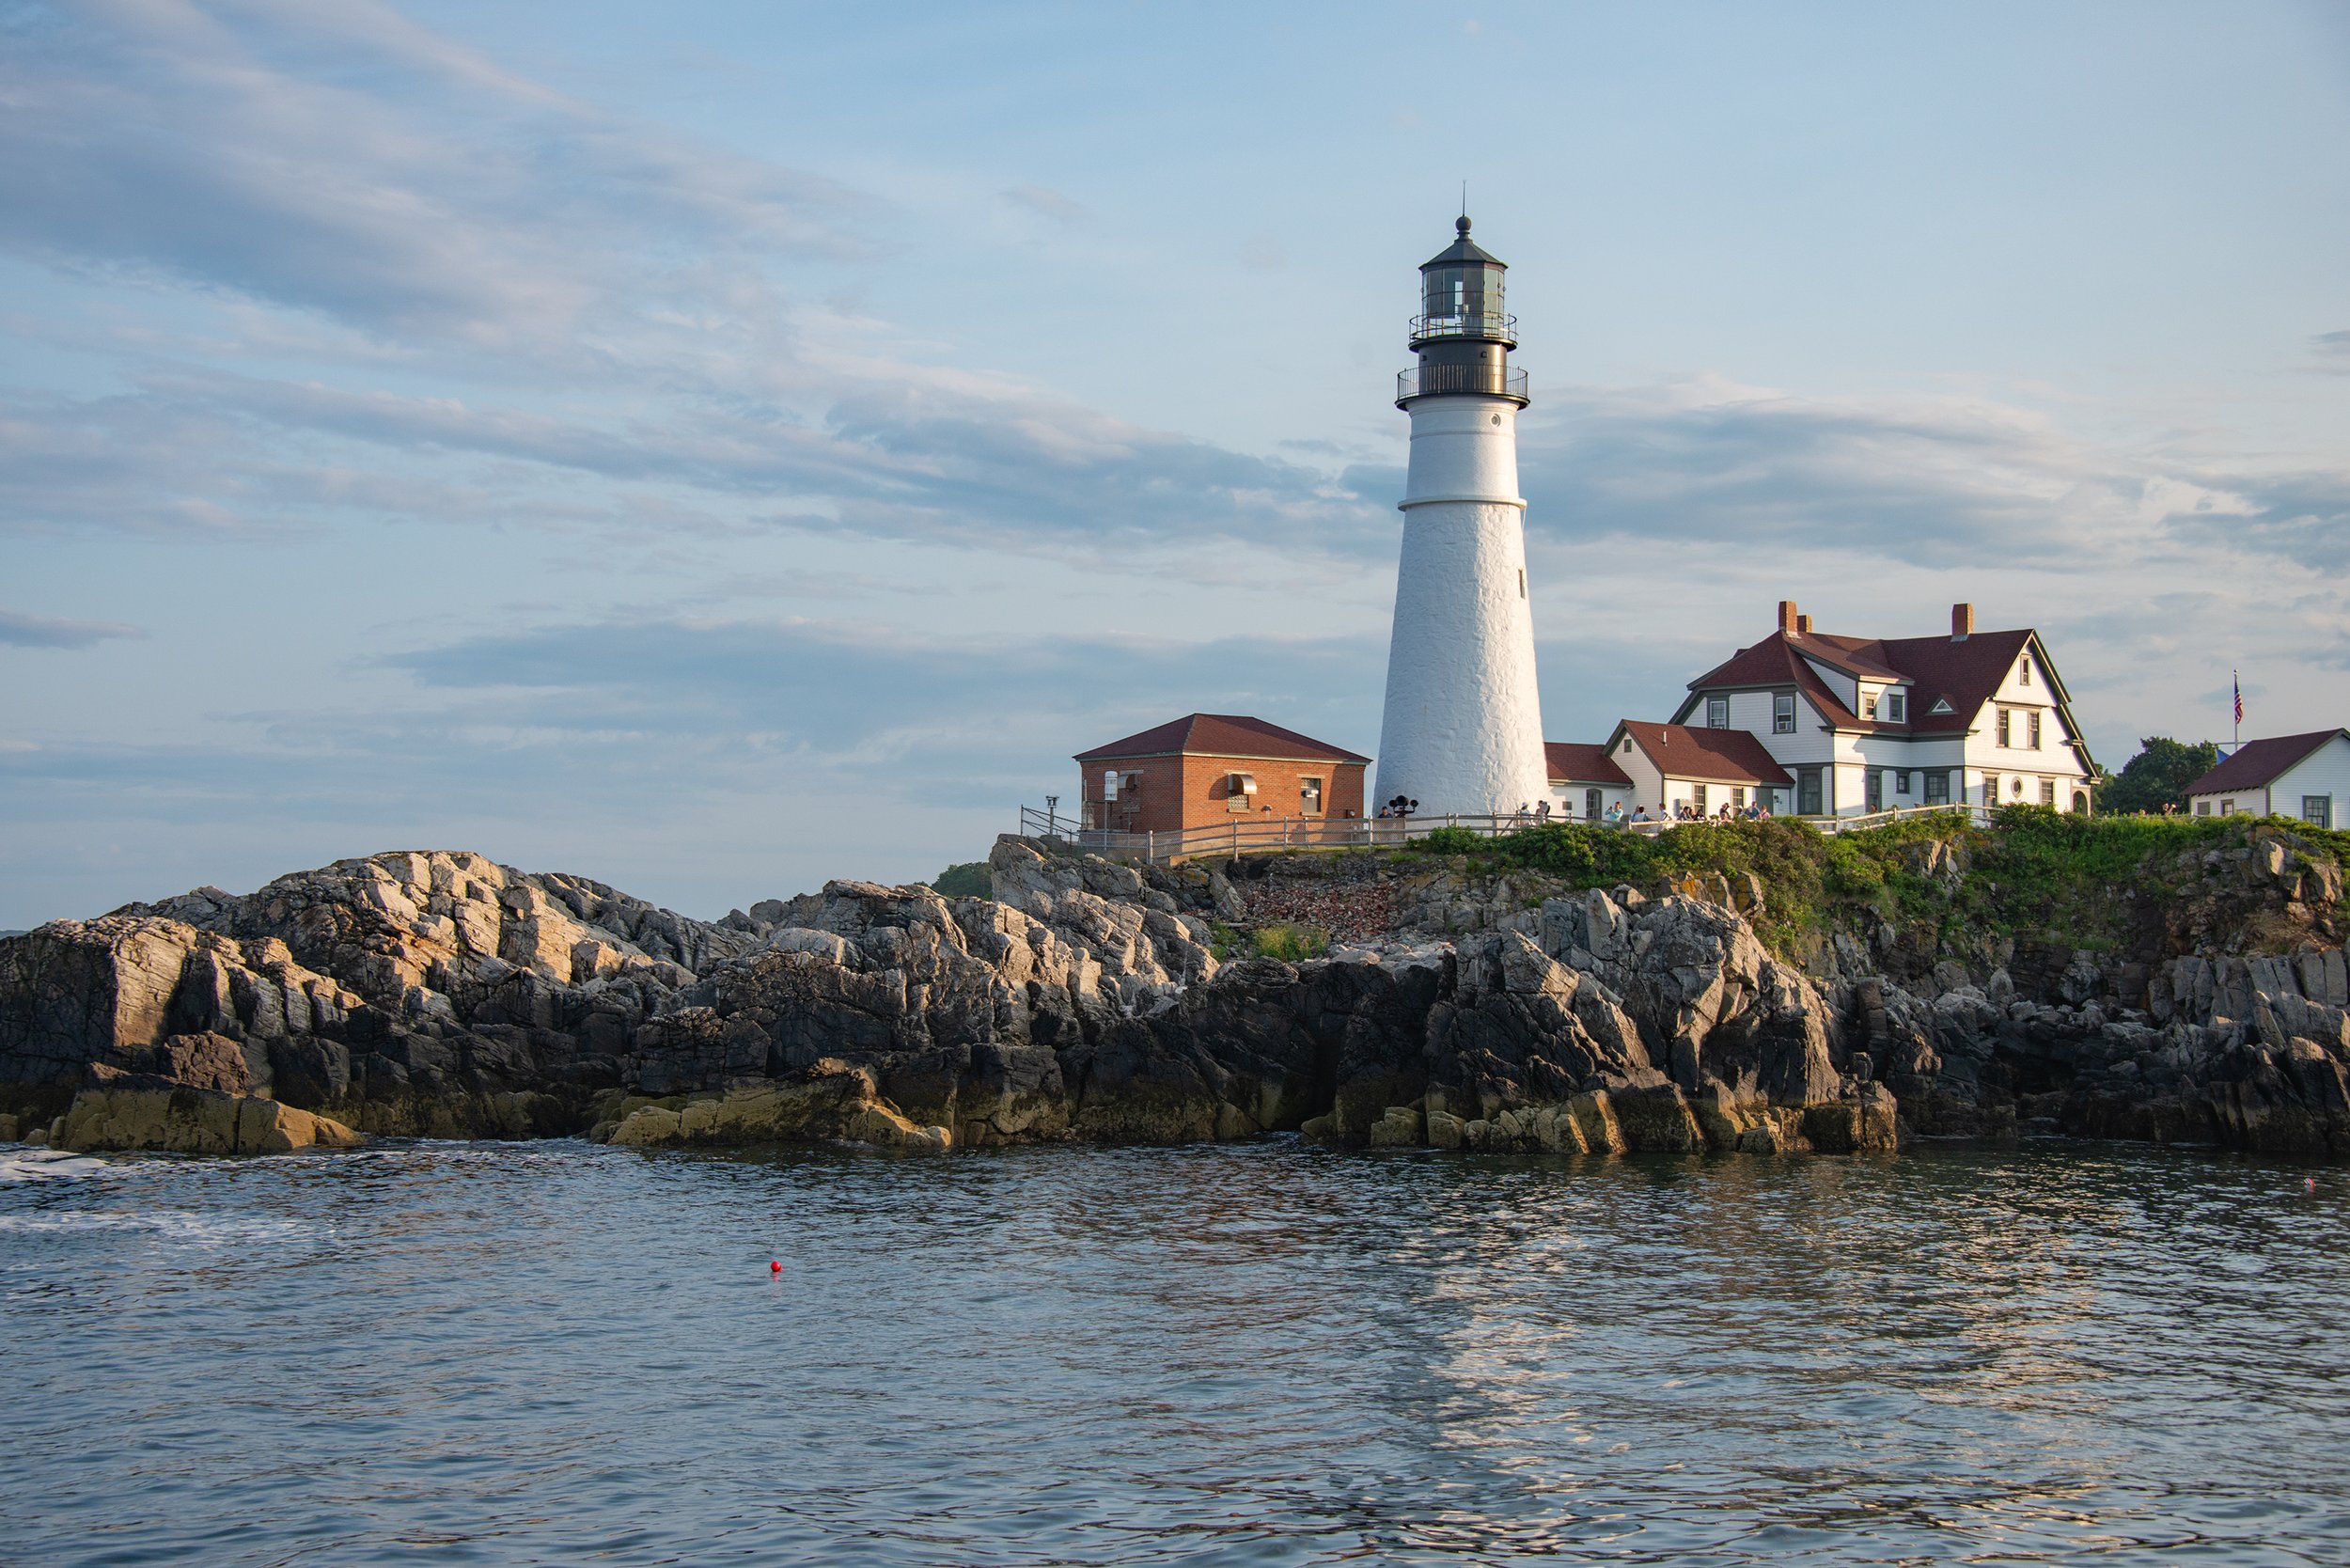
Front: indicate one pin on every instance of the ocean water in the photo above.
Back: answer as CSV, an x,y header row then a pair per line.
x,y
1259,1353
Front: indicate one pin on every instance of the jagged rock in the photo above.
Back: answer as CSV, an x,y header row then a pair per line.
x,y
139,1111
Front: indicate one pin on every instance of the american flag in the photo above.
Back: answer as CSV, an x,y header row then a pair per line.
x,y
2239,696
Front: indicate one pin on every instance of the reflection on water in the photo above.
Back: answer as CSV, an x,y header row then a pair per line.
x,y
1262,1354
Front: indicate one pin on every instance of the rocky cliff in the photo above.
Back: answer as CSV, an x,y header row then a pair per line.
x,y
442,994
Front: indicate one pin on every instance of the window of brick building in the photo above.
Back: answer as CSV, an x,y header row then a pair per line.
x,y
1309,796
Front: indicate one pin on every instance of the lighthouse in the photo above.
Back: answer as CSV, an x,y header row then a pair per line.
x,y
1463,732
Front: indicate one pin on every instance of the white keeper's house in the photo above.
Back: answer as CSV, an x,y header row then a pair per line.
x,y
1874,724
2288,776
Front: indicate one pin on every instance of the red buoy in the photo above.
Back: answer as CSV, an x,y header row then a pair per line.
x,y
774,1267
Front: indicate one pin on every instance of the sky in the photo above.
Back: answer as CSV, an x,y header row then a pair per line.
x,y
713,449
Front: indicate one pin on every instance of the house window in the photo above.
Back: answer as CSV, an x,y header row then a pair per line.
x,y
1868,703
1991,789
1718,712
1782,713
1897,707
2032,729
2047,792
2203,809
1901,781
1873,788
1737,797
1591,805
2318,810
1627,745
2007,726
1807,791
2015,788
1697,797
2022,671
1309,796
2226,808
1937,786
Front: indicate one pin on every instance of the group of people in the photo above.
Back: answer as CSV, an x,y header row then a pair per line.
x,y
1753,811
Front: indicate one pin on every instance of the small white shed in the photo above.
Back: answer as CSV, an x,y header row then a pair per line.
x,y
2303,776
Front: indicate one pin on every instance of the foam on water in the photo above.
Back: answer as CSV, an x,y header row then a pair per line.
x,y
19,1162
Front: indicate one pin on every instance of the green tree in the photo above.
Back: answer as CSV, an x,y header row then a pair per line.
x,y
968,881
2158,775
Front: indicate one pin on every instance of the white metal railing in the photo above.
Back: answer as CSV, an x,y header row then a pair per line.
x,y
1260,835
1977,816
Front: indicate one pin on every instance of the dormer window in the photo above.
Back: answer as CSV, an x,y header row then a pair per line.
x,y
1896,708
1941,705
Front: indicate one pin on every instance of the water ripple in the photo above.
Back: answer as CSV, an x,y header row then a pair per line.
x,y
1258,1354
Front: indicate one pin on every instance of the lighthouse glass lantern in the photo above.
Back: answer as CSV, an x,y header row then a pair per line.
x,y
1462,335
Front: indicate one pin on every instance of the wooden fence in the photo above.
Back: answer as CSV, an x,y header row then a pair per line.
x,y
1273,835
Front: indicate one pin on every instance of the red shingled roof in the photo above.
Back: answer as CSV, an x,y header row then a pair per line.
x,y
1964,673
1715,756
2259,762
1221,735
1572,762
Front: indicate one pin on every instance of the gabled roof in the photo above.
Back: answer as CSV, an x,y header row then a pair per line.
x,y
2259,762
1221,735
1572,762
1712,756
1935,669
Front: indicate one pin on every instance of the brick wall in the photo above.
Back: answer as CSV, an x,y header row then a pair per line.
x,y
1190,792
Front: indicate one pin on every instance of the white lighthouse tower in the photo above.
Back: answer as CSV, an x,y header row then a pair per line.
x,y
1463,730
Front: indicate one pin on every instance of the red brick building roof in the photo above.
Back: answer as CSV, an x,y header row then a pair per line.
x,y
1221,735
1572,762
2259,762
1714,755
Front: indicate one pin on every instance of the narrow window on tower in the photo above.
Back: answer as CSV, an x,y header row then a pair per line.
x,y
1521,582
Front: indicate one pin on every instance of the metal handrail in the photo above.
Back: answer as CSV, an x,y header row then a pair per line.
x,y
1505,381
1482,325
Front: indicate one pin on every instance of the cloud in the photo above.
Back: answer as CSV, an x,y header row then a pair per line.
x,y
2333,350
1048,204
340,159
20,630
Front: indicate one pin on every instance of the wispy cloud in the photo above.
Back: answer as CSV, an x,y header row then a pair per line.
x,y
20,630
1047,203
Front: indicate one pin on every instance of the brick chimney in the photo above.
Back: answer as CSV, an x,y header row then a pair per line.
x,y
1787,616
1803,625
1962,622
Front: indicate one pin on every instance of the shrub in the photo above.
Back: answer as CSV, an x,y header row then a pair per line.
x,y
1290,944
968,880
1450,841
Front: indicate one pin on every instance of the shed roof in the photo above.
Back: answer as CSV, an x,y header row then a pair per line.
x,y
1573,762
1713,756
2259,762
1221,735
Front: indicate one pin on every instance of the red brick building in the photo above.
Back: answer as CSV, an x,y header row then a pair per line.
x,y
1208,768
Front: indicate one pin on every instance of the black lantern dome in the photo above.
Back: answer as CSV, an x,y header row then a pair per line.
x,y
1462,335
